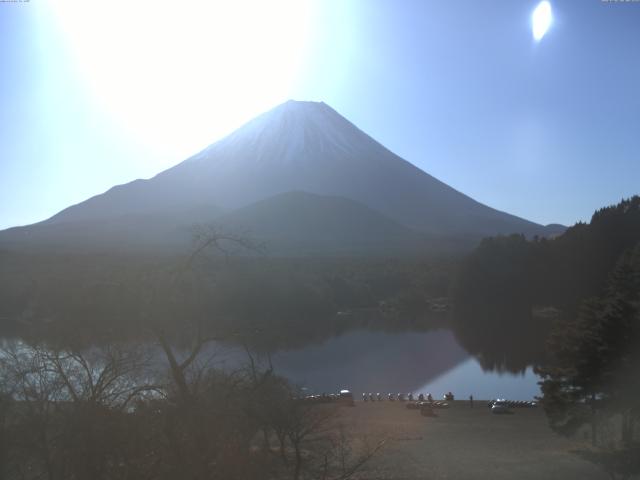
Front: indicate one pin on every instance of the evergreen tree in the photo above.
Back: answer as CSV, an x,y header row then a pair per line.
x,y
592,378
506,279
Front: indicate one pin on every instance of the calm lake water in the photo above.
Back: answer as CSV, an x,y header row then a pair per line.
x,y
372,361
377,361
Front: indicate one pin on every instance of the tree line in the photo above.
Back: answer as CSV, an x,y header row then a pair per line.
x,y
591,378
290,301
510,290
587,351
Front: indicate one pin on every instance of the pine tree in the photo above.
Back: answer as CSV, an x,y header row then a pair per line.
x,y
592,379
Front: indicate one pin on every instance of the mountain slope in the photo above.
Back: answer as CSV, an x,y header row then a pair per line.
x,y
297,146
304,223
156,231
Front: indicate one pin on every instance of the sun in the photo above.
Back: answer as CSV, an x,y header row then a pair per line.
x,y
541,20
180,73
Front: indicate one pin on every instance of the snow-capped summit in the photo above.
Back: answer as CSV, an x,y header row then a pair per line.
x,y
288,132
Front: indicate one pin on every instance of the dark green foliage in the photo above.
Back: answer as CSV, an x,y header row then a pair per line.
x,y
592,376
492,302
502,283
277,302
595,357
591,275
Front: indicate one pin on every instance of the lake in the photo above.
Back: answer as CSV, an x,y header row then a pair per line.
x,y
377,361
367,360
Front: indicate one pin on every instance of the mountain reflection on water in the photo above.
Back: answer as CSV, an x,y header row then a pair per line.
x,y
366,360
373,361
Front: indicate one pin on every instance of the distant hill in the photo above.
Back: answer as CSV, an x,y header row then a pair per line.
x,y
296,147
304,223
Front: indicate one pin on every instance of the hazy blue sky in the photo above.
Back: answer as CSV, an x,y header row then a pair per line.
x,y
99,93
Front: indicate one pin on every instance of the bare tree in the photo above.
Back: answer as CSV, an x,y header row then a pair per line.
x,y
70,406
313,441
106,412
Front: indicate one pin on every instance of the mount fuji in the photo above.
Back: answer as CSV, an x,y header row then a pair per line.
x,y
299,176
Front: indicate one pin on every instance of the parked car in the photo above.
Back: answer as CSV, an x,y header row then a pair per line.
x,y
500,406
346,398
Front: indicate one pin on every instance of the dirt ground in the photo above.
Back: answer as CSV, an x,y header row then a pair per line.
x,y
464,443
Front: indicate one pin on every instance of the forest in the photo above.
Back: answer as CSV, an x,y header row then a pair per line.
x,y
510,291
270,302
570,306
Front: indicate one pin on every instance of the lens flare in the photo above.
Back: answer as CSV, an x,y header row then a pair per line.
x,y
541,20
184,71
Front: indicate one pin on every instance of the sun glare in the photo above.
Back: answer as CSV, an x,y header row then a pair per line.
x,y
182,73
541,20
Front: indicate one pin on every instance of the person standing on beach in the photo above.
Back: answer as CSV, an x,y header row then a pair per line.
x,y
471,400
